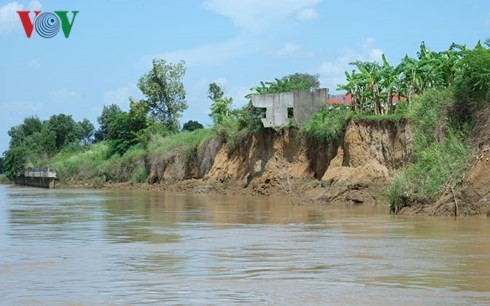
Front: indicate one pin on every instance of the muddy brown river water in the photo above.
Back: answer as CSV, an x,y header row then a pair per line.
x,y
86,247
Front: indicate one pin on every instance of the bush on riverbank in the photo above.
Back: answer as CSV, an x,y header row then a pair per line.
x,y
4,179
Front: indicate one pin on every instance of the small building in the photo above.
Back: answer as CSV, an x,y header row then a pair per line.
x,y
298,106
37,177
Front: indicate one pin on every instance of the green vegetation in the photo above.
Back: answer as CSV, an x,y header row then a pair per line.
x,y
443,120
375,88
119,153
192,125
184,143
4,179
95,165
35,140
164,91
440,151
329,124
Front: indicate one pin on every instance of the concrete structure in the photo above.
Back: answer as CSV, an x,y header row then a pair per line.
x,y
283,107
37,177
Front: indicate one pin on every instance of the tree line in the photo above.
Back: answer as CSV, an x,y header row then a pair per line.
x,y
380,88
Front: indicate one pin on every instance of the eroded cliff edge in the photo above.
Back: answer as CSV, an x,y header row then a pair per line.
x,y
354,169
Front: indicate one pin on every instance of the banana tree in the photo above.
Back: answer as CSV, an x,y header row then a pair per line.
x,y
353,88
388,83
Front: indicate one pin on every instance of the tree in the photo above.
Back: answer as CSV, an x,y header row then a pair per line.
x,y
215,92
19,133
284,84
87,131
109,112
124,128
310,80
14,161
164,92
1,164
473,78
221,107
192,125
67,131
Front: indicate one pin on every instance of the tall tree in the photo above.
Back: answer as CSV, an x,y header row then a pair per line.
x,y
309,80
215,92
87,131
67,131
109,112
20,132
221,109
164,92
123,129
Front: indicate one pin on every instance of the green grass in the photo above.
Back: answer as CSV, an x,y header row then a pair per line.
x,y
440,167
80,165
94,165
440,152
328,124
184,142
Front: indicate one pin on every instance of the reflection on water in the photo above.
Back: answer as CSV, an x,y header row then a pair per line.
x,y
65,247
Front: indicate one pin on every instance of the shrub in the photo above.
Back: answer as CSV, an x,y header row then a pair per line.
x,y
329,124
139,175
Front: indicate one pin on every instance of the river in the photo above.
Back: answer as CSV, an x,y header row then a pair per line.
x,y
92,247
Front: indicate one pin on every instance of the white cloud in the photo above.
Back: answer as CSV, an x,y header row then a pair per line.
x,y
374,54
292,49
34,64
206,55
332,73
306,14
253,18
258,15
289,49
120,96
9,19
65,95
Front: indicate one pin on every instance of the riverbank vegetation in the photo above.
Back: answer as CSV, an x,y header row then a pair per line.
x,y
4,179
439,93
443,119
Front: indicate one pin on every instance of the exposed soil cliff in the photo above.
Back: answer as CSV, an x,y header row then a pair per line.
x,y
369,155
354,169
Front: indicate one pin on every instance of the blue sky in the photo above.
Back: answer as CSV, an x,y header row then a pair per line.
x,y
234,43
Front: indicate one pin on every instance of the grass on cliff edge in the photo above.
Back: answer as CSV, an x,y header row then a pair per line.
x,y
184,142
328,124
440,152
94,166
